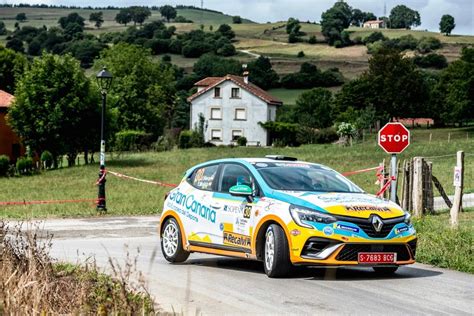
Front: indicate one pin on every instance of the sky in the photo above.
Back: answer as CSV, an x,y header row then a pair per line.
x,y
280,10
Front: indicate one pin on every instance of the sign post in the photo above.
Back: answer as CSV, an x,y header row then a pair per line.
x,y
394,138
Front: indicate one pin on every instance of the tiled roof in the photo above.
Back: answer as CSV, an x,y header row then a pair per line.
x,y
6,99
211,82
373,22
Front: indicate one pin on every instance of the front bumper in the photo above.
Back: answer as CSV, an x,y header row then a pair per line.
x,y
338,247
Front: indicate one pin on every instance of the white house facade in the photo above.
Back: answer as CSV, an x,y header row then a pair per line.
x,y
232,107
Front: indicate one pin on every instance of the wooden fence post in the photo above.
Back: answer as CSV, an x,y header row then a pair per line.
x,y
459,184
429,187
417,188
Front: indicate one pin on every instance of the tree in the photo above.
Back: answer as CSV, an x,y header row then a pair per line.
x,y
124,16
357,17
455,99
97,18
12,66
262,73
402,16
209,65
21,17
368,16
293,26
313,108
85,51
143,91
168,12
55,107
72,18
16,44
139,14
335,20
446,25
236,19
3,29
226,31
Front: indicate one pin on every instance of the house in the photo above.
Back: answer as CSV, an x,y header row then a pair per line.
x,y
232,107
374,24
9,142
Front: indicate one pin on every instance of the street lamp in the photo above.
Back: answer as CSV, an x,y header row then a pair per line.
x,y
104,80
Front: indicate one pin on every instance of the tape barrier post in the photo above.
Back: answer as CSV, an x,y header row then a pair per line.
x,y
393,186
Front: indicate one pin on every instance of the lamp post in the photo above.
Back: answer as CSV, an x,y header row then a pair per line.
x,y
104,80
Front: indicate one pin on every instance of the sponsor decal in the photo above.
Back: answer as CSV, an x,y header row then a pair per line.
x,y
328,231
365,208
295,232
247,211
349,228
233,239
339,198
401,230
345,238
261,164
221,226
233,209
190,204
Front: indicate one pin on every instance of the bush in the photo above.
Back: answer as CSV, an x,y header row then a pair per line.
x,y
4,165
25,165
236,19
338,44
300,54
130,140
226,50
431,61
184,140
47,159
374,37
428,44
242,141
182,19
312,40
293,38
407,42
308,135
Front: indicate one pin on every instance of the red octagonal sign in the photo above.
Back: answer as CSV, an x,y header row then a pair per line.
x,y
394,138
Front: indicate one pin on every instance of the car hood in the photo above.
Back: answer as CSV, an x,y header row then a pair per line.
x,y
346,204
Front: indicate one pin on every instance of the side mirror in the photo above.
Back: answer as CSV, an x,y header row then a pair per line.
x,y
241,190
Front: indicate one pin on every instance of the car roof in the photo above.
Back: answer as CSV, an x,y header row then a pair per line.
x,y
256,160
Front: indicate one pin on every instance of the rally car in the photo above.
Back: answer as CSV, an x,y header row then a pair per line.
x,y
283,212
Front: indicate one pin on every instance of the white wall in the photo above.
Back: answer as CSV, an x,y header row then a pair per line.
x,y
257,110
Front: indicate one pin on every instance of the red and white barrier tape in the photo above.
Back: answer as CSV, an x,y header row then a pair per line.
x,y
386,186
348,173
163,184
47,202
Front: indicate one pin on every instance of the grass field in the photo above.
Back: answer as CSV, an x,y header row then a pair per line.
x,y
130,197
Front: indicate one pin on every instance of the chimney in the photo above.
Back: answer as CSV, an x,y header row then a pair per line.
x,y
246,74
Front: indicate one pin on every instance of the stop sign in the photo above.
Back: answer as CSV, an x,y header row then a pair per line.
x,y
394,138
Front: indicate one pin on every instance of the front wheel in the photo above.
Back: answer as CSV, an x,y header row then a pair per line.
x,y
276,259
171,242
385,270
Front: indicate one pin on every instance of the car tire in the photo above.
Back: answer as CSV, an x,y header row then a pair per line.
x,y
276,254
385,270
172,243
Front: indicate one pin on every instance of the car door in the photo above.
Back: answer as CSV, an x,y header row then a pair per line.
x,y
198,203
237,211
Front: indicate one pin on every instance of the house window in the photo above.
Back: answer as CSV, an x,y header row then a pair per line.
x,y
240,115
236,133
216,114
217,92
216,134
235,93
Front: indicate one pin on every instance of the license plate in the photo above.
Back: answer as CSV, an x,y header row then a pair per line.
x,y
377,257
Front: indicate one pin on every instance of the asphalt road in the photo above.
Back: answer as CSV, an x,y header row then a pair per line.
x,y
215,285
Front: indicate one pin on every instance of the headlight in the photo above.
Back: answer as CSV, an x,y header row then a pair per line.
x,y
302,214
407,218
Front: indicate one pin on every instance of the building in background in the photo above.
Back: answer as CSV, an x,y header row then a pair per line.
x,y
232,107
374,24
9,142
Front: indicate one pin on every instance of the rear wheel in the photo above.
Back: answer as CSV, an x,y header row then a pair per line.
x,y
276,258
385,270
171,242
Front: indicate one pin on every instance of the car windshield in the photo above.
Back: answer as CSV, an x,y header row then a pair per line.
x,y
298,176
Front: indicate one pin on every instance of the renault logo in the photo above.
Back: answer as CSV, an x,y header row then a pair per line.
x,y
377,223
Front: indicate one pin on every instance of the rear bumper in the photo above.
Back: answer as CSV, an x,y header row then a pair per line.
x,y
323,251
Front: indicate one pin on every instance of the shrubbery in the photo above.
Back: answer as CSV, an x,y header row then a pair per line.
x,y
242,141
431,61
310,76
47,159
25,165
131,140
376,41
4,165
